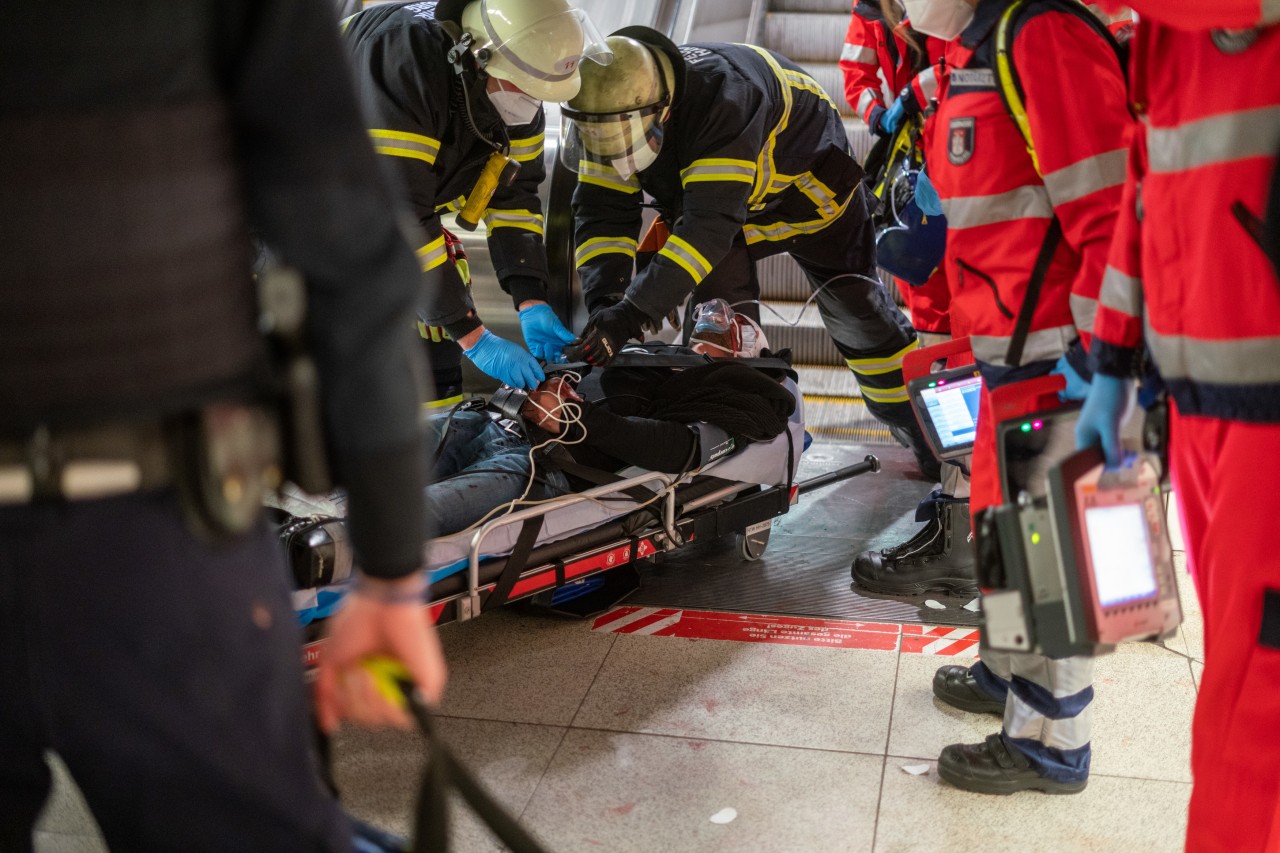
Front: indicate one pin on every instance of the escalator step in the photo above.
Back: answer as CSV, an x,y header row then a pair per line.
x,y
809,345
782,279
829,76
828,381
843,419
830,6
806,37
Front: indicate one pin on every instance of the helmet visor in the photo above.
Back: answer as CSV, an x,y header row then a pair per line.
x,y
549,50
622,142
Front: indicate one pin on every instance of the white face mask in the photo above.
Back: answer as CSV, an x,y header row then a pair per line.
x,y
515,108
637,161
945,19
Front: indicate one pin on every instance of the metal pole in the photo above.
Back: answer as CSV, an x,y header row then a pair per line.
x,y
870,465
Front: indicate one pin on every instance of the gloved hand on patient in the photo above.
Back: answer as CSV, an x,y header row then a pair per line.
x,y
606,333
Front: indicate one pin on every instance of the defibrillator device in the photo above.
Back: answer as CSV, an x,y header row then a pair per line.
x,y
1078,559
945,402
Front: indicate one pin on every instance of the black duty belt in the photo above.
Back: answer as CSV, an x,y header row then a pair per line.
x,y
84,464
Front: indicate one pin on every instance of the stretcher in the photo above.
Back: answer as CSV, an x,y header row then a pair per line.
x,y
568,540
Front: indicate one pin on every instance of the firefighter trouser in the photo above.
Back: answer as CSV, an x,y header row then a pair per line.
x,y
870,332
1047,714
1222,471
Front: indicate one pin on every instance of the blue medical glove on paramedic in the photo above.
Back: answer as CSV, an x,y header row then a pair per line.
x,y
1104,408
505,361
1077,386
544,334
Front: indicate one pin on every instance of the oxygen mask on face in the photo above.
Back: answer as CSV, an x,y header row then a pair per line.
x,y
719,328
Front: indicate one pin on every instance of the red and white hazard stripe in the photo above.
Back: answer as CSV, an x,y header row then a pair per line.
x,y
927,640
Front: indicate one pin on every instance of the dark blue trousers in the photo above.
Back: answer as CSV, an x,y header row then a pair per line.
x,y
165,671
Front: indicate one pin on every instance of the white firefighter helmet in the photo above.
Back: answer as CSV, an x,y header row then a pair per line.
x,y
537,45
616,120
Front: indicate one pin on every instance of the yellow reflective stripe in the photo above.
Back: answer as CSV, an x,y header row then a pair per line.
x,y
818,193
689,258
399,143
807,84
879,365
786,230
885,395
597,246
606,176
447,401
433,254
526,219
765,168
719,169
452,206
525,150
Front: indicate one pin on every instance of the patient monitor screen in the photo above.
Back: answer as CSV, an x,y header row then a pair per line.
x,y
1120,551
953,409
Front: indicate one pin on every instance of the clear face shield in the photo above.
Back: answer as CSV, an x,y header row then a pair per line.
x,y
625,143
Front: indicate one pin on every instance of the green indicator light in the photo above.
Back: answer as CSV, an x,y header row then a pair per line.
x,y
1035,538
933,384
1026,427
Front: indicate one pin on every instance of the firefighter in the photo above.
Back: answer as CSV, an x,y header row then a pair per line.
x,y
1189,279
449,87
890,74
146,631
746,157
1012,199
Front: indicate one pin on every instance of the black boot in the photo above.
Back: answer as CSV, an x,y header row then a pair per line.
x,y
956,686
992,767
937,559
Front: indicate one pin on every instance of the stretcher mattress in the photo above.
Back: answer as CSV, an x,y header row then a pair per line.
x,y
762,463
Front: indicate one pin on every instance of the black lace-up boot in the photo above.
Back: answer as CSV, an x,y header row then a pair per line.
x,y
937,559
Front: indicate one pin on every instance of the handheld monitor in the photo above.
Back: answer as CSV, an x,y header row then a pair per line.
x,y
1116,556
1027,447
946,405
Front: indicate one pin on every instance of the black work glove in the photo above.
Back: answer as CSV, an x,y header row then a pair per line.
x,y
606,333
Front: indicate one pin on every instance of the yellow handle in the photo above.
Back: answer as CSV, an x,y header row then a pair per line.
x,y
495,172
388,676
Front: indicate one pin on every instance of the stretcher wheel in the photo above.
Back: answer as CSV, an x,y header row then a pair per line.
x,y
753,541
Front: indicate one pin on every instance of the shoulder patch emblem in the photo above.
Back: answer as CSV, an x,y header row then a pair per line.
x,y
960,141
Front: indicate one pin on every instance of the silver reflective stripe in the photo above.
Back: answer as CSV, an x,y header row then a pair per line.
x,y
1087,176
867,99
1215,140
1030,202
687,257
597,246
1023,721
719,169
1040,346
1243,361
526,219
511,56
928,83
525,150
1270,12
1084,311
858,53
1121,292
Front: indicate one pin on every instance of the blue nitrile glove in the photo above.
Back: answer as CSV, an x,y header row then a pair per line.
x,y
891,120
544,334
507,362
1099,422
1077,386
926,196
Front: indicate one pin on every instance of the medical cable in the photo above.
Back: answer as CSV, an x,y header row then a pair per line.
x,y
793,323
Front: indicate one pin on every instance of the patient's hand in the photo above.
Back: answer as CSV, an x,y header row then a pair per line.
x,y
545,407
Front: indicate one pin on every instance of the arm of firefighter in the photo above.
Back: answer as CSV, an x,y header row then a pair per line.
x,y
860,64
1117,341
407,110
1198,15
606,228
1080,125
316,194
515,222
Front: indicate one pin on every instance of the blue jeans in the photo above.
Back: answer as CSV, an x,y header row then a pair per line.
x,y
480,466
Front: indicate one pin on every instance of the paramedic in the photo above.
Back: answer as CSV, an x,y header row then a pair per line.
x,y
656,418
1203,78
1007,203
883,58
146,632
746,157
446,86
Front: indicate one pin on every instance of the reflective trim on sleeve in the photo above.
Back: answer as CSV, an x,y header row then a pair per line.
x,y
897,394
433,254
859,53
865,101
819,193
928,80
1084,311
1041,345
1242,361
597,246
526,219
775,231
689,258
1214,141
607,177
399,143
1087,176
879,365
525,150
718,169
1121,292
807,84
1270,12
1029,202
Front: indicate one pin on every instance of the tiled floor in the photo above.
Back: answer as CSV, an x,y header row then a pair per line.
x,y
620,742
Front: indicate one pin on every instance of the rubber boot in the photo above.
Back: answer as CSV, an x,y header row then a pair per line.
x,y
938,558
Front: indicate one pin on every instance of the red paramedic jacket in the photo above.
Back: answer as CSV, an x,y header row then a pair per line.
x,y
998,207
871,51
1186,276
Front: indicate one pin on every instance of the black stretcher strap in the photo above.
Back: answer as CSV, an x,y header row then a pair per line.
x,y
516,563
1022,327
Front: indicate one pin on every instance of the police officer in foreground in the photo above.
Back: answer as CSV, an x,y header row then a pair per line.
x,y
146,631
455,92
746,157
